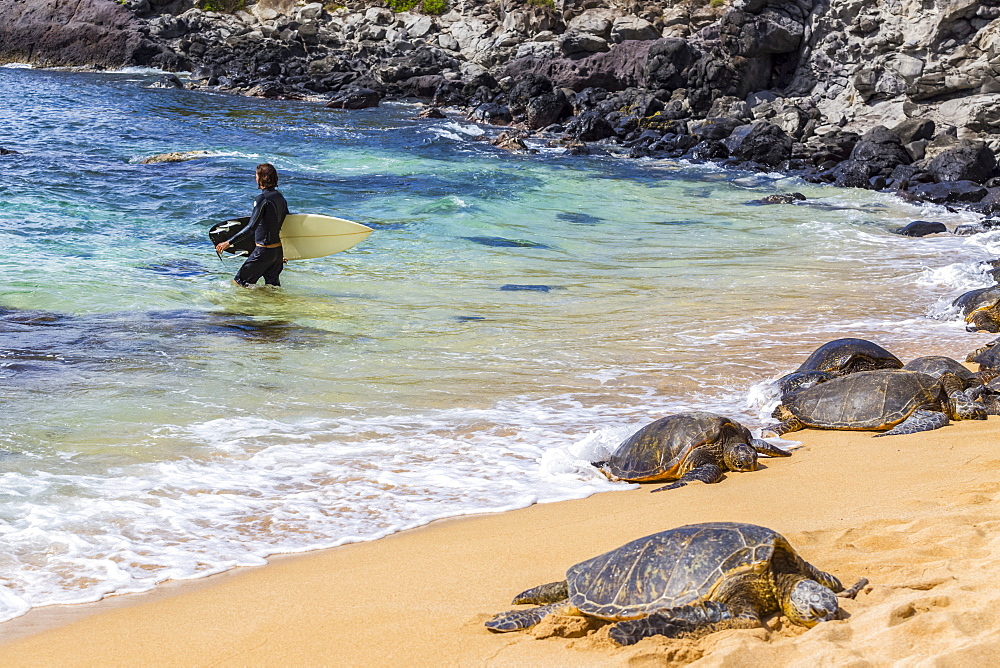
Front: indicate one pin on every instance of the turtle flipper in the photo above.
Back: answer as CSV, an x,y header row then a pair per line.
x,y
991,404
854,589
964,408
961,405
706,473
791,424
552,592
693,620
516,620
920,420
765,448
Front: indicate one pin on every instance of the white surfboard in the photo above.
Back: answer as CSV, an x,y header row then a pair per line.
x,y
309,235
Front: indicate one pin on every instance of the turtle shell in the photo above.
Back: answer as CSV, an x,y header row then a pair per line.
x,y
865,400
936,365
802,380
987,357
844,356
975,300
672,568
658,450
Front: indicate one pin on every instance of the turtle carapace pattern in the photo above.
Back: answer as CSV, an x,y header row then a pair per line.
x,y
981,309
687,582
902,402
845,356
684,448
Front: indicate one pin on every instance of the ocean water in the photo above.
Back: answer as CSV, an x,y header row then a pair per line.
x,y
511,318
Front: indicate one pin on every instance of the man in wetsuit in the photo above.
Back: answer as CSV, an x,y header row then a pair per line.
x,y
269,211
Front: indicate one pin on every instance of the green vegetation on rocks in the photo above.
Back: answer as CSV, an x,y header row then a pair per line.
x,y
426,6
222,6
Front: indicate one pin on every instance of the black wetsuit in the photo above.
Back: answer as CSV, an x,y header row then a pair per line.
x,y
269,211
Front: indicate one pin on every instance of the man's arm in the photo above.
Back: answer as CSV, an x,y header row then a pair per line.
x,y
258,214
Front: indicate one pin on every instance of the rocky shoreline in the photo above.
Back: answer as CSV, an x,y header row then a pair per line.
x,y
887,95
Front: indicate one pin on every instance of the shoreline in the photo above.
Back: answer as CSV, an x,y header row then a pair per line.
x,y
911,513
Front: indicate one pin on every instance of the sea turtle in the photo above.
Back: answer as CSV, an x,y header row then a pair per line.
x,y
802,380
987,357
981,309
688,581
938,365
901,401
686,447
843,356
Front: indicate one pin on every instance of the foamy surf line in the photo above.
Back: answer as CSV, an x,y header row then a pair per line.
x,y
267,487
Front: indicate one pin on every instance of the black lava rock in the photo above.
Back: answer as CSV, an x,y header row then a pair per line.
x,y
949,192
760,142
921,228
354,98
969,161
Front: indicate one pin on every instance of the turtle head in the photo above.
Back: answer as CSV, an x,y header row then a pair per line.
x,y
964,408
781,412
982,320
810,603
740,457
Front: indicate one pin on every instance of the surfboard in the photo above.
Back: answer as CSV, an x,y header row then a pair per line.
x,y
303,235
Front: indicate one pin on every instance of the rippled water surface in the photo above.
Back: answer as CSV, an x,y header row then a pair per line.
x,y
510,319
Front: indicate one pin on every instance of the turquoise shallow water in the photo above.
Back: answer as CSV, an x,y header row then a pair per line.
x,y
511,318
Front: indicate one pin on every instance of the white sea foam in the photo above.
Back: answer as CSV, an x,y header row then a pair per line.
x,y
456,131
284,487
988,241
963,276
763,397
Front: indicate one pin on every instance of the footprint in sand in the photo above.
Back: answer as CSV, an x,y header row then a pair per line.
x,y
909,610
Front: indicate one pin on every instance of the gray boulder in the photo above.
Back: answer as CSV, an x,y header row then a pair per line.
x,y
949,192
714,128
590,126
881,148
492,113
354,98
582,44
969,161
667,64
632,27
770,32
921,228
760,142
851,174
592,22
914,129
546,109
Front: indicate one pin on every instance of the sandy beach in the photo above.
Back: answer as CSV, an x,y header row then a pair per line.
x,y
914,514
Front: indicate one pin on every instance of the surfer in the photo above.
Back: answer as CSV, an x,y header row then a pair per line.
x,y
269,211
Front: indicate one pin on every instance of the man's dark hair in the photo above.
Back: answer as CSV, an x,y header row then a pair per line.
x,y
267,175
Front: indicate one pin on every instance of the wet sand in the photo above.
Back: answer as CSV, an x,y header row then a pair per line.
x,y
918,515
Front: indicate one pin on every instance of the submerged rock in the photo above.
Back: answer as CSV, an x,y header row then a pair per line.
x,y
787,198
180,156
921,228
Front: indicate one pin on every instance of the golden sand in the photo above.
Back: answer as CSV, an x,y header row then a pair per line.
x,y
918,515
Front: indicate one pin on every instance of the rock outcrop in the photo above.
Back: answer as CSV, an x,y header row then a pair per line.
x,y
897,94
74,32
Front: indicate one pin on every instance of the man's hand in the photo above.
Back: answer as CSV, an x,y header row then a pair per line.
x,y
221,246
